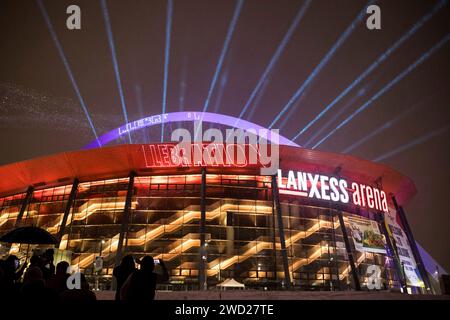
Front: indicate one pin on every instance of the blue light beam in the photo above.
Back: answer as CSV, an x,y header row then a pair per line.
x,y
413,143
385,126
138,96
277,54
183,83
223,84
166,60
114,59
374,65
68,69
386,88
258,99
322,64
232,26
337,114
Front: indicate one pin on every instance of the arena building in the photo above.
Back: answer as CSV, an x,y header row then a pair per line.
x,y
324,221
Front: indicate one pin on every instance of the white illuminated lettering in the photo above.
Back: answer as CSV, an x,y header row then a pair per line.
x,y
344,193
314,191
369,194
384,201
376,195
280,180
363,195
302,182
291,183
331,188
324,187
334,191
356,196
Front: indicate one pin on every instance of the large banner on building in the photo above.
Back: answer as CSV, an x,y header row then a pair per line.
x,y
404,251
367,236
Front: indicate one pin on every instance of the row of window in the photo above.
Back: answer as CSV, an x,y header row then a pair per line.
x,y
241,229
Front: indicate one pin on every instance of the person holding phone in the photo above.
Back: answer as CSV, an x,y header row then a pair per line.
x,y
141,284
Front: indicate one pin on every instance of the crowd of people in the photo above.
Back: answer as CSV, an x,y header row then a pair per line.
x,y
39,280
138,285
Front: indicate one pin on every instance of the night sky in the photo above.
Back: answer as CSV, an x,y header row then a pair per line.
x,y
40,113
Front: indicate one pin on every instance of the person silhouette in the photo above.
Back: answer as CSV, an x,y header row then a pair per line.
x,y
33,288
141,284
122,272
48,268
58,281
82,295
11,274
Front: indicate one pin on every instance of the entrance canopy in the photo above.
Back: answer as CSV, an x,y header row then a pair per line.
x,y
231,283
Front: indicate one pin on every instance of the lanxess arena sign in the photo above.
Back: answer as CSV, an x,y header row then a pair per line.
x,y
323,187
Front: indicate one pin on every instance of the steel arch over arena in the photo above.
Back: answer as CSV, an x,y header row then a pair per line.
x,y
185,116
324,222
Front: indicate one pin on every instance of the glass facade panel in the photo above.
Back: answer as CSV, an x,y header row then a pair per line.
x,y
241,231
93,226
46,208
9,210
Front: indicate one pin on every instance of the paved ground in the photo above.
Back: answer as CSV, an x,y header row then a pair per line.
x,y
279,295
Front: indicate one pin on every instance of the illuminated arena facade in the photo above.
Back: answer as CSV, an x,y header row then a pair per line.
x,y
324,222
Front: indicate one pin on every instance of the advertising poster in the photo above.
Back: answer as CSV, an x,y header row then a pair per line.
x,y
367,236
404,251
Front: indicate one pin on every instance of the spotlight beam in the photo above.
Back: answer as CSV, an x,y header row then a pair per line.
x,y
384,127
231,27
166,60
263,81
337,114
374,65
277,54
258,98
114,59
183,85
386,88
322,64
223,83
67,67
413,143
138,95
226,44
